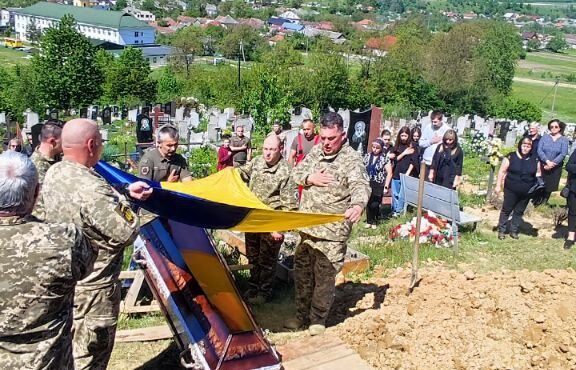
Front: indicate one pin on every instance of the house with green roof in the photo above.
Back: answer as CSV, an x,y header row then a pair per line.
x,y
112,26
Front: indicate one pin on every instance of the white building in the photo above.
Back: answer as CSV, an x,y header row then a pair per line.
x,y
142,15
117,27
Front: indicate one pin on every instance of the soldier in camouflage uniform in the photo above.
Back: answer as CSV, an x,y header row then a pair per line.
x,y
46,154
73,192
335,181
268,177
39,266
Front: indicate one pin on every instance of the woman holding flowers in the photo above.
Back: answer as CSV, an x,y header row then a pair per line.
x,y
517,176
379,171
446,168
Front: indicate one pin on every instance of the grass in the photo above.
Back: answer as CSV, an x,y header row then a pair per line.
x,y
10,57
542,96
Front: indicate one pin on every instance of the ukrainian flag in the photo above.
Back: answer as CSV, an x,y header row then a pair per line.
x,y
219,201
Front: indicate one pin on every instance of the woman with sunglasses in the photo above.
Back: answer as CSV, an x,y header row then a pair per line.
x,y
517,176
379,171
446,168
552,149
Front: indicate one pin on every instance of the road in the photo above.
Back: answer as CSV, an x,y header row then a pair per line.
x,y
540,82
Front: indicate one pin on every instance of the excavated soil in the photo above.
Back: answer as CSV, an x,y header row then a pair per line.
x,y
452,320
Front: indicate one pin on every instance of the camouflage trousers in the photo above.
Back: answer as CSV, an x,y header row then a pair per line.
x,y
316,264
95,320
262,253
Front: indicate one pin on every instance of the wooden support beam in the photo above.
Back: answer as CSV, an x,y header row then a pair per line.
x,y
144,334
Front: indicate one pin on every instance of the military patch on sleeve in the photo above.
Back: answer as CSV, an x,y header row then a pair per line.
x,y
145,170
126,213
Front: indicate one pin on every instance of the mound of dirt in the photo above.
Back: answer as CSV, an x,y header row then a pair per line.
x,y
452,320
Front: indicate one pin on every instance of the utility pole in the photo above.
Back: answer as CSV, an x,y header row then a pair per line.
x,y
554,98
240,51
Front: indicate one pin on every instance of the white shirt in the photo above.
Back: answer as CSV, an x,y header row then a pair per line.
x,y
428,133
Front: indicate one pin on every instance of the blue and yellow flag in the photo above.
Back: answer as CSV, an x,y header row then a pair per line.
x,y
219,201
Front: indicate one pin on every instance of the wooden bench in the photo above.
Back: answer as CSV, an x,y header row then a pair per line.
x,y
440,200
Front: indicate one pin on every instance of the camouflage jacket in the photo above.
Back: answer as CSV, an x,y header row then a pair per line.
x,y
352,188
272,185
42,164
75,193
39,266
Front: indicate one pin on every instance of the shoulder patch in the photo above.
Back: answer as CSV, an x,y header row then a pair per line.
x,y
126,213
145,170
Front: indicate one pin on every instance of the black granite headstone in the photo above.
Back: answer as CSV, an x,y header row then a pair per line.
x,y
84,112
145,110
94,115
359,130
143,129
107,116
53,114
124,114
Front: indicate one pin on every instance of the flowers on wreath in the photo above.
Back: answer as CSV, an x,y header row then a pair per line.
x,y
494,152
433,230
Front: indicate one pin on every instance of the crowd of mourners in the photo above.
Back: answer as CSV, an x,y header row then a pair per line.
x,y
63,228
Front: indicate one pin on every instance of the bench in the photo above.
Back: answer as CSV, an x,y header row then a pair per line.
x,y
438,199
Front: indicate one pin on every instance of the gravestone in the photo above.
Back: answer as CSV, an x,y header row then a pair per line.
x,y
402,122
104,134
144,129
93,112
359,130
491,123
145,110
107,116
510,139
156,116
195,119
133,115
298,115
223,121
481,126
183,130
345,113
2,117
197,138
124,113
212,133
213,120
84,112
179,115
32,119
167,109
425,121
461,124
229,113
504,128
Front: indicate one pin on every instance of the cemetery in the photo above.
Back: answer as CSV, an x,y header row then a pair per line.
x,y
364,328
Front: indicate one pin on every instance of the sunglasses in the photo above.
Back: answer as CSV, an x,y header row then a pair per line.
x,y
554,126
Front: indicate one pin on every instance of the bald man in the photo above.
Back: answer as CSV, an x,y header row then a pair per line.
x,y
73,192
268,177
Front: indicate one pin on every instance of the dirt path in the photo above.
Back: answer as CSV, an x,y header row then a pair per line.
x,y
500,320
540,82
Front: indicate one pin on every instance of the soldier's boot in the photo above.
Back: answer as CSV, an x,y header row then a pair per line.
x,y
293,323
316,329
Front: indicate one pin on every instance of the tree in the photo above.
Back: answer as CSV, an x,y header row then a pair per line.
x,y
32,32
120,5
557,44
251,41
514,109
169,87
66,71
130,74
188,43
329,81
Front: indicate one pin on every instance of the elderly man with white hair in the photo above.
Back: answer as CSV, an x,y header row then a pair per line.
x,y
40,264
534,134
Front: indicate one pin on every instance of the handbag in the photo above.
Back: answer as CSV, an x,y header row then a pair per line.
x,y
537,187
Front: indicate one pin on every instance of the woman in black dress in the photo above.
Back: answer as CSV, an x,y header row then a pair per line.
x,y
446,168
402,156
517,176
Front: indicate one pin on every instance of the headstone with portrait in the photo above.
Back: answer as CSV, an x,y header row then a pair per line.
x,y
84,112
144,131
359,129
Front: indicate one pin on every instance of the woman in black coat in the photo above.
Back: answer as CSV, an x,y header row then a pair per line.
x,y
517,176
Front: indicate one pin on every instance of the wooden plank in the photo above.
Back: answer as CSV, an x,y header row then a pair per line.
x,y
321,353
128,274
132,295
248,266
144,334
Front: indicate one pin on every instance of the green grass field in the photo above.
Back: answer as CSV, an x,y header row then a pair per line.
x,y
542,96
548,66
10,57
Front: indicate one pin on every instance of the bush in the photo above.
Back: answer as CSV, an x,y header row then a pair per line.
x,y
512,108
202,162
